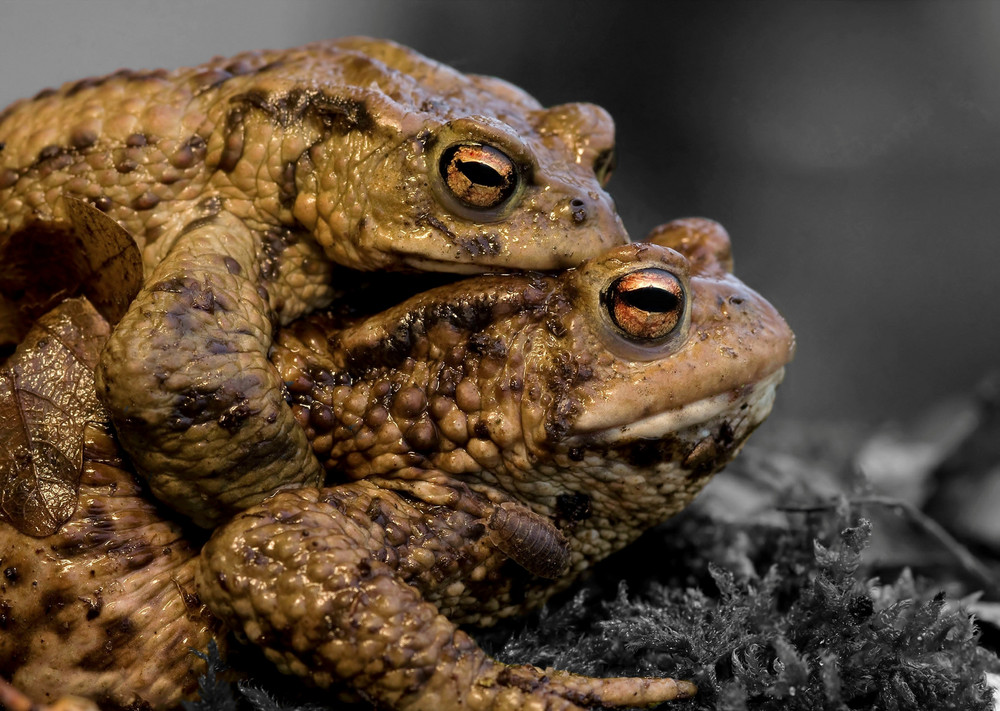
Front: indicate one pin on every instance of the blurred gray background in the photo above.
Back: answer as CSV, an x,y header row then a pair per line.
x,y
852,149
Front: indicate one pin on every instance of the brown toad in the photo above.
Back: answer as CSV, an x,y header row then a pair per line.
x,y
492,440
244,180
487,442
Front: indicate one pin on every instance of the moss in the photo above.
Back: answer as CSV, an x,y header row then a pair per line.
x,y
765,617
808,633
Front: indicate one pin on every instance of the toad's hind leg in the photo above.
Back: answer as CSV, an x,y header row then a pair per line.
x,y
316,578
185,375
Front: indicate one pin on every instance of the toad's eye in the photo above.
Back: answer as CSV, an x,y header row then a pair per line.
x,y
480,176
604,165
646,305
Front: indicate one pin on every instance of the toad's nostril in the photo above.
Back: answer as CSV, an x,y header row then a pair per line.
x,y
579,210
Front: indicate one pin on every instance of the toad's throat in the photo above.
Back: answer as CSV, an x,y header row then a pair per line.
x,y
749,405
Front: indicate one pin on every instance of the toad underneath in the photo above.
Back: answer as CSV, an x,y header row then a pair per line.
x,y
247,183
487,442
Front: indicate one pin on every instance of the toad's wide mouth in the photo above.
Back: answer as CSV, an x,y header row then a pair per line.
x,y
749,404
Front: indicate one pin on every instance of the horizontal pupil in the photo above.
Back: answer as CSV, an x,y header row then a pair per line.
x,y
480,173
651,299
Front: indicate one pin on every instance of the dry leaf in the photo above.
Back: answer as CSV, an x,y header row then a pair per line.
x,y
47,396
43,263
114,264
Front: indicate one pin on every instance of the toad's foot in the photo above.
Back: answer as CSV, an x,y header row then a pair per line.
x,y
185,375
334,585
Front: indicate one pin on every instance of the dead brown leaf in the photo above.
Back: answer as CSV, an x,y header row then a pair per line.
x,y
86,253
47,396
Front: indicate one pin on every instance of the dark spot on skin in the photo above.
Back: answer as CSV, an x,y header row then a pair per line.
x,y
321,417
555,327
409,402
102,203
147,201
336,113
646,453
196,224
378,512
232,266
193,295
136,140
49,152
211,206
119,633
481,245
210,79
130,75
469,314
95,606
191,151
481,430
239,68
217,347
82,84
423,436
52,602
376,417
277,63
44,94
573,507
6,615
556,428
53,158
8,177
488,346
273,244
126,166
81,139
204,300
232,151
263,294
228,406
235,417
576,454
434,222
11,575
191,600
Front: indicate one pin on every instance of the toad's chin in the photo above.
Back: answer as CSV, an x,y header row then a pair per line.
x,y
748,406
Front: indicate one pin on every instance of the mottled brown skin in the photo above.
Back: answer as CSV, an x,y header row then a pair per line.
x,y
481,457
106,608
491,440
244,180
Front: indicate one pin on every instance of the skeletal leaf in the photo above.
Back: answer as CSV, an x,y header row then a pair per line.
x,y
82,252
47,396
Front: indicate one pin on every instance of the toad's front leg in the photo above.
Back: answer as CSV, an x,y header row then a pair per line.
x,y
185,375
318,578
